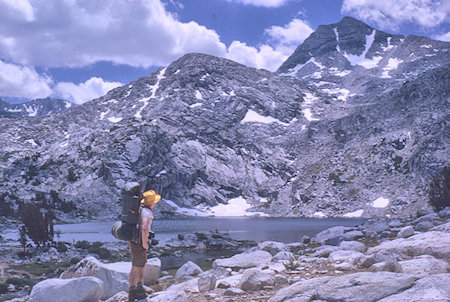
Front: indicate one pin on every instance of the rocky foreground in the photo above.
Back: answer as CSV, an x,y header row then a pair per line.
x,y
379,261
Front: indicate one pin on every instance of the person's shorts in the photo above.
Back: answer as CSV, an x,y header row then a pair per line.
x,y
138,254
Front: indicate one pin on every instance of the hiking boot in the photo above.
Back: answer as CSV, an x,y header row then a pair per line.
x,y
135,294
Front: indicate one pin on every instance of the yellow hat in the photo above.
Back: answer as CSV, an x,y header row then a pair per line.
x,y
150,197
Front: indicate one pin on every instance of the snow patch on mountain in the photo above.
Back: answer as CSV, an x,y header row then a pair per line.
x,y
195,105
103,114
309,100
13,110
198,95
32,142
389,46
254,117
114,119
361,59
380,202
334,71
32,110
232,93
153,89
391,65
339,93
337,39
312,60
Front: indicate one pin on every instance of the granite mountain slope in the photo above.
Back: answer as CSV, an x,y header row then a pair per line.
x,y
354,141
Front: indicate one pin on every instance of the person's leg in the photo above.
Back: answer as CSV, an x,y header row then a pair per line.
x,y
134,275
141,273
137,267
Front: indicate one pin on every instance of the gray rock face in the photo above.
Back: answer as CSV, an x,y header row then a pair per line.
x,y
330,233
361,287
423,226
232,292
283,256
433,289
351,257
114,276
272,247
188,269
244,260
431,243
254,279
169,296
406,232
424,265
445,213
206,282
352,246
113,280
85,289
326,135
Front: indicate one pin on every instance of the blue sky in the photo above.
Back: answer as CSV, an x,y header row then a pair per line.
x,y
80,49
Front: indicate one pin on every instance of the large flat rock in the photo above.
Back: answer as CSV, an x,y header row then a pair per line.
x,y
358,287
432,243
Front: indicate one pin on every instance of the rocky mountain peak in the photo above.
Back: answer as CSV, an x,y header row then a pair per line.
x,y
353,55
339,45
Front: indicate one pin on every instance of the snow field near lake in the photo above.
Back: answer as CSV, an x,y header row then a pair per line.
x,y
236,207
186,211
354,214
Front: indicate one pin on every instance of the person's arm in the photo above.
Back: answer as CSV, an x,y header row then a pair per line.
x,y
145,228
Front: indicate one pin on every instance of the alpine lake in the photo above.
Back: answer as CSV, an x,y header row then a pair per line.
x,y
256,229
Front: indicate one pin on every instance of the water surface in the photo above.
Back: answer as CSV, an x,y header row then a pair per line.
x,y
257,229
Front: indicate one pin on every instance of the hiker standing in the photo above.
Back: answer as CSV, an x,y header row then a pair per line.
x,y
139,246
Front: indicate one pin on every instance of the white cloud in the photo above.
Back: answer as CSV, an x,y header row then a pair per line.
x,y
263,57
78,33
290,36
23,7
389,14
263,3
83,92
283,41
22,82
443,37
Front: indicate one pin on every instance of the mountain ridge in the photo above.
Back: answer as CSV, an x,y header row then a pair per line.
x,y
33,108
205,130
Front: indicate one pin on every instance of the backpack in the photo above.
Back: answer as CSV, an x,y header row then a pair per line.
x,y
128,228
